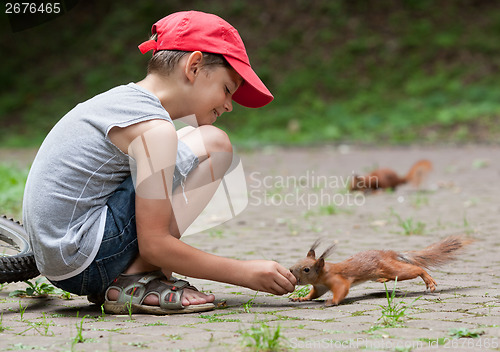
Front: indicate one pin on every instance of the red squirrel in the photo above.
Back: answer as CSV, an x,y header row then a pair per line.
x,y
389,179
372,265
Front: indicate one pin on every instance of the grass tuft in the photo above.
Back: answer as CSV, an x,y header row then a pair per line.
x,y
263,338
394,312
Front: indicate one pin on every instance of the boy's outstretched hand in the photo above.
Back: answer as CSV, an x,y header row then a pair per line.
x,y
268,276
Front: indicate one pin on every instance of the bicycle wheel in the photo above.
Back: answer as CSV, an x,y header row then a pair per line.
x,y
17,262
13,238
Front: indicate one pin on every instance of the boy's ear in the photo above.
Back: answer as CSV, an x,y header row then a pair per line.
x,y
193,65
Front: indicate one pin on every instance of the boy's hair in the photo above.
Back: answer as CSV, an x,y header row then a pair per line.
x,y
164,61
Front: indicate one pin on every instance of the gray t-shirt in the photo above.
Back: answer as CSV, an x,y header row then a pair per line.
x,y
76,170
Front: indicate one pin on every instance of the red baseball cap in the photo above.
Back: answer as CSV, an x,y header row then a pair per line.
x,y
199,31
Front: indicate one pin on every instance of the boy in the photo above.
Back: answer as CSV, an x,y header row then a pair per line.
x,y
102,204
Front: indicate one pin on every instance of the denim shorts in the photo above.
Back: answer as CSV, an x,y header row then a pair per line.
x,y
119,246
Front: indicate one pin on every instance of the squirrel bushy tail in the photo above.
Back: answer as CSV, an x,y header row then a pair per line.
x,y
418,172
436,254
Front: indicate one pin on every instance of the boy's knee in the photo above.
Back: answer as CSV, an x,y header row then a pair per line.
x,y
184,131
216,140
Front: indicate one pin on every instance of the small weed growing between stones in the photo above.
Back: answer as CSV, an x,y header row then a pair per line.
x,y
129,304
174,337
41,327
464,332
263,338
215,318
419,200
394,313
158,323
103,313
64,294
22,310
248,305
138,344
39,288
2,327
330,209
480,163
79,332
409,226
358,313
403,349
469,230
433,342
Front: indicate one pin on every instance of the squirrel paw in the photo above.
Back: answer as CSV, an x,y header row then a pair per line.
x,y
330,302
299,299
431,285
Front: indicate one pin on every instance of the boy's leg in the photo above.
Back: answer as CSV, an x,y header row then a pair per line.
x,y
215,154
214,151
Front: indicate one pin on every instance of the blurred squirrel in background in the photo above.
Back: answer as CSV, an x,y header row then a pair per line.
x,y
372,265
389,179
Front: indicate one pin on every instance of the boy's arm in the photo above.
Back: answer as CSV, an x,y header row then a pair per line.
x,y
153,145
166,251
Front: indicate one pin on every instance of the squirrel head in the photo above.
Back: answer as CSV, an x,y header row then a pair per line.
x,y
307,270
357,183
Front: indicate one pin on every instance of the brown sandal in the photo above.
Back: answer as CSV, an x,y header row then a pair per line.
x,y
134,288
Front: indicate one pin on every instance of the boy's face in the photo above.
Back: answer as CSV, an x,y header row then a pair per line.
x,y
212,93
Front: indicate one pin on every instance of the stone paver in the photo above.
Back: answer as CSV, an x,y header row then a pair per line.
x,y
460,196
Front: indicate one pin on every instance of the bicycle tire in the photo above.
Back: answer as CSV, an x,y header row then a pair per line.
x,y
17,262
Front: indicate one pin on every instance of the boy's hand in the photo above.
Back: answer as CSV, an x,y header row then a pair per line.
x,y
268,276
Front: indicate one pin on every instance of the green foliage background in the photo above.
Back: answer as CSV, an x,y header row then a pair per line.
x,y
379,71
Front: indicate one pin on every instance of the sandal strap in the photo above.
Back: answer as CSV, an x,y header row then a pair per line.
x,y
189,286
169,294
134,288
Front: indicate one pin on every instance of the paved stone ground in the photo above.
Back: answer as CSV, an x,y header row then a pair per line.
x,y
460,197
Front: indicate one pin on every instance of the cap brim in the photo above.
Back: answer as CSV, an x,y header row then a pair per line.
x,y
252,93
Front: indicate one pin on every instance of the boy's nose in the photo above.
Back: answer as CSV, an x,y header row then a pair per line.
x,y
228,105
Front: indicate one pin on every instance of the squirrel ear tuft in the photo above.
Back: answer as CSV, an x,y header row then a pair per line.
x,y
328,251
311,254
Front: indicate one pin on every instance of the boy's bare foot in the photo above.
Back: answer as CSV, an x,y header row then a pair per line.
x,y
192,297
